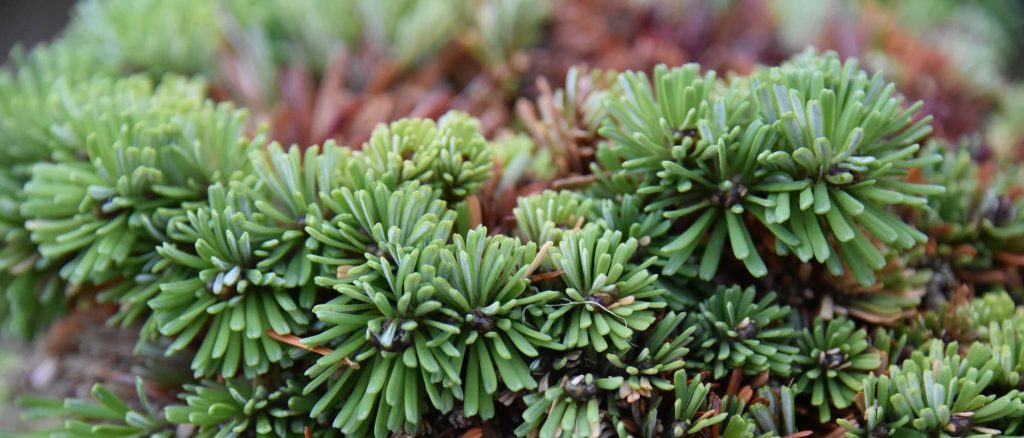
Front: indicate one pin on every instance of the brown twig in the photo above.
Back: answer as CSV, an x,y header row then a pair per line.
x,y
541,255
734,382
295,342
573,181
545,276
1010,258
476,215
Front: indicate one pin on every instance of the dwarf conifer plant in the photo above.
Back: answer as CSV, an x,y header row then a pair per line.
x,y
668,253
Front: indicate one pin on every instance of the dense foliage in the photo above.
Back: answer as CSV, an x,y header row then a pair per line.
x,y
784,253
